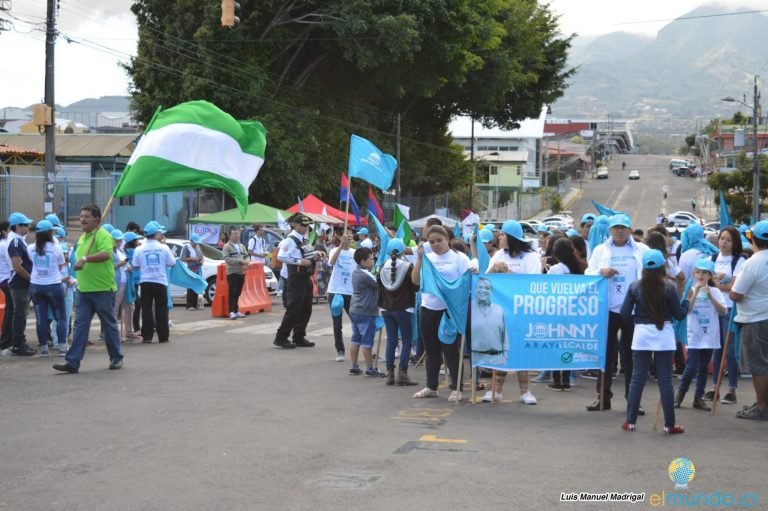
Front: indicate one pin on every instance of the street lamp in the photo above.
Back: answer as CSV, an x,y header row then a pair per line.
x,y
755,106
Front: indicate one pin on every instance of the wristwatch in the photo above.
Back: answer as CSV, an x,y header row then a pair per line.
x,y
84,259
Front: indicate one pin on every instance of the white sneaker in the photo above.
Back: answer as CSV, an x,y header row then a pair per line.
x,y
442,369
487,397
455,397
6,352
528,399
232,315
397,352
340,357
240,315
425,392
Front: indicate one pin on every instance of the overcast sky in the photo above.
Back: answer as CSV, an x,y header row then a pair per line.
x,y
108,31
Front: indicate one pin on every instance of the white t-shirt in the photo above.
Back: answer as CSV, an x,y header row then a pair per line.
x,y
117,257
559,269
688,260
450,265
341,275
45,268
5,263
152,258
525,262
256,244
752,282
704,321
723,265
622,260
647,337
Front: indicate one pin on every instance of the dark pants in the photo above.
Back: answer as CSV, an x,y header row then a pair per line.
x,y
20,297
697,366
338,338
613,349
137,310
561,377
154,295
429,323
299,307
642,363
5,337
191,299
235,283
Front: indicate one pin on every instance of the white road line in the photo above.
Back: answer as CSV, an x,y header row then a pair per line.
x,y
618,199
261,328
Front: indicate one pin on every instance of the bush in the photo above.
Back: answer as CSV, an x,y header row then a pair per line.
x,y
555,203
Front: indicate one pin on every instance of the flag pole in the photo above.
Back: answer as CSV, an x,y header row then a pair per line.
x,y
346,215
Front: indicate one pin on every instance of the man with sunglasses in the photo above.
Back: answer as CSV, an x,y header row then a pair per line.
x,y
18,284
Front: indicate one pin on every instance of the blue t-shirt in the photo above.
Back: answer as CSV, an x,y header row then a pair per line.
x,y
17,247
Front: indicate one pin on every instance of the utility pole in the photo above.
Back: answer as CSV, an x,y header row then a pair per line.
x,y
399,166
50,129
472,162
756,157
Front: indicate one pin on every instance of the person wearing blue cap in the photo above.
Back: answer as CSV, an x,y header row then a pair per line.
x,y
192,256
54,219
397,299
18,283
108,227
45,284
706,305
587,221
5,274
750,292
95,292
122,267
651,304
68,284
152,258
343,264
132,303
619,258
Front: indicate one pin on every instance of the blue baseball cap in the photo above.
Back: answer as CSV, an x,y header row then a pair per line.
x,y
108,227
44,226
18,219
705,265
195,238
653,259
543,229
131,236
760,230
395,245
621,220
514,229
51,217
490,227
587,217
743,228
117,234
153,228
571,233
363,231
61,232
485,236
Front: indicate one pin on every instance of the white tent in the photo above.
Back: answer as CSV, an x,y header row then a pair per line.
x,y
419,223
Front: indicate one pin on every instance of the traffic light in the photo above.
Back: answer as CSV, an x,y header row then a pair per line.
x,y
230,12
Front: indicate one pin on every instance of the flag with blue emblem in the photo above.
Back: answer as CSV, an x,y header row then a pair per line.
x,y
366,162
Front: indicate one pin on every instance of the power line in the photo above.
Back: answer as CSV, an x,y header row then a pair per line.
x,y
719,15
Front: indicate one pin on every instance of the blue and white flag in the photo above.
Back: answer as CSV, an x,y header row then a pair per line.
x,y
180,275
366,162
539,322
605,210
453,293
483,257
725,216
384,238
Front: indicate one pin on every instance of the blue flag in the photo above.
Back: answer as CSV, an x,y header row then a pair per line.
x,y
383,237
345,195
454,293
605,210
366,162
401,231
182,276
301,206
725,217
735,330
483,257
457,230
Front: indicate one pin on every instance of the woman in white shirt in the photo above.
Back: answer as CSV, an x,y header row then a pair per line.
x,y
516,257
45,284
451,265
5,274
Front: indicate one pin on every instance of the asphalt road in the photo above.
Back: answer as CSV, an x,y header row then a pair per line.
x,y
218,419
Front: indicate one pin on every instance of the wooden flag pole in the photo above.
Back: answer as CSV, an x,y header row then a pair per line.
x,y
723,359
346,214
602,390
459,381
658,416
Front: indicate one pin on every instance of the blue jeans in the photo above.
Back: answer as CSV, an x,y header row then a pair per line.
x,y
697,365
44,296
641,363
402,320
363,330
731,364
338,338
101,303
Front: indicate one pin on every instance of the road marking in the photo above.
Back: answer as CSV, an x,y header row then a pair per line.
x,y
433,438
621,194
196,326
261,328
637,209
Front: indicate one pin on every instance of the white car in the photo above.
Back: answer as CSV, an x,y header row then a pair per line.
x,y
560,219
687,214
602,173
212,259
634,174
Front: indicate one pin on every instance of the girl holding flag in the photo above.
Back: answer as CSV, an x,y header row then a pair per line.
x,y
451,265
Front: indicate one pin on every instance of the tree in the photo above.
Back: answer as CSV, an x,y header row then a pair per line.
x,y
316,71
737,186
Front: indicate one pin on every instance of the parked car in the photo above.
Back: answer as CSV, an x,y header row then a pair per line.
x,y
712,227
634,174
562,219
602,173
682,171
691,216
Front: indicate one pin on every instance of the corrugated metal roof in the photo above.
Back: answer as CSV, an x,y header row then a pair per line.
x,y
461,127
15,149
84,145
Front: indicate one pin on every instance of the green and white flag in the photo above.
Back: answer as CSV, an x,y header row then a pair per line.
x,y
401,217
196,145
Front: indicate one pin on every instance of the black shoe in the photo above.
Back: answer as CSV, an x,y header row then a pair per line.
x,y
24,351
163,340
595,407
640,411
709,396
303,343
590,374
117,363
284,343
700,404
65,368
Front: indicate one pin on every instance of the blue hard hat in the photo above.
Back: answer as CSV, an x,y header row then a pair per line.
x,y
44,226
653,259
514,229
18,219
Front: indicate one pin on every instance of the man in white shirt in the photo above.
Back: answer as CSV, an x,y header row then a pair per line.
x,y
256,248
619,259
152,258
750,292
